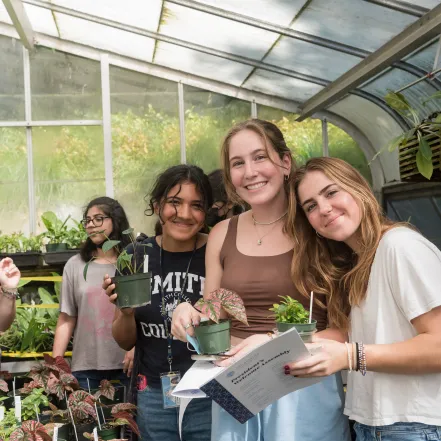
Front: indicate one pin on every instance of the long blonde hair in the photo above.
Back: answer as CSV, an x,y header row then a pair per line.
x,y
273,138
329,267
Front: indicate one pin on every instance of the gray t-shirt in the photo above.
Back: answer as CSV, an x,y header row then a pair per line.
x,y
93,344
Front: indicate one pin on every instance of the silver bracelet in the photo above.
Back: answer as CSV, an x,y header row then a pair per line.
x,y
10,293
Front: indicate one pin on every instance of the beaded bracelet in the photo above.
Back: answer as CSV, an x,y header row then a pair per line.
x,y
362,356
10,293
357,364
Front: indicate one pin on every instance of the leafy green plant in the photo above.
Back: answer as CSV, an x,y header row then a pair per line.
x,y
421,129
30,431
125,262
290,310
82,405
19,243
33,403
8,424
56,228
224,299
76,235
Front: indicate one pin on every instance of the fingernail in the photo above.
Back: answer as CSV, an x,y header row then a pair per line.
x,y
287,372
286,367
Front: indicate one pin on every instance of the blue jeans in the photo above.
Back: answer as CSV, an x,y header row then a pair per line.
x,y
96,376
159,424
398,432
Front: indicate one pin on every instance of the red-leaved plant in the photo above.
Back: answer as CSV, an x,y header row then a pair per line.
x,y
30,431
82,405
105,389
224,299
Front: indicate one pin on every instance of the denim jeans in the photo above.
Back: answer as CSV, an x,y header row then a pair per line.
x,y
96,376
159,424
398,432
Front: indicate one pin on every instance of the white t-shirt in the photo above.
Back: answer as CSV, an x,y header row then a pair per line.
x,y
404,283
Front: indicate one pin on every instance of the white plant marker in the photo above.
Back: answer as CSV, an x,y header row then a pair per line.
x,y
36,412
17,403
55,434
73,423
310,306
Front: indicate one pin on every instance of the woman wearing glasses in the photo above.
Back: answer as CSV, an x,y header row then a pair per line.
x,y
84,308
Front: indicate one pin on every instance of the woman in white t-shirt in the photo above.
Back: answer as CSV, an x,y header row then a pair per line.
x,y
387,276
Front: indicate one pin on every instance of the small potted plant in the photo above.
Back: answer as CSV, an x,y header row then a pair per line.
x,y
290,313
133,287
26,251
56,231
30,430
83,408
213,334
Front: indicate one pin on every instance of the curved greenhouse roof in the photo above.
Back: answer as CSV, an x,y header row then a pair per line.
x,y
329,59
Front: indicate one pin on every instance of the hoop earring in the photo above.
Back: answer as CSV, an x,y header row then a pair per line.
x,y
286,178
318,235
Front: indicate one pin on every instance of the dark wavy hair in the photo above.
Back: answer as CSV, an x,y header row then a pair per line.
x,y
112,208
177,175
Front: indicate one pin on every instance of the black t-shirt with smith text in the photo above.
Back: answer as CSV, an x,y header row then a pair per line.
x,y
151,339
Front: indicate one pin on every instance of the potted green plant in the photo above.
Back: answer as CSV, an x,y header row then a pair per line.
x,y
133,287
30,430
420,147
83,408
75,236
213,334
290,313
25,251
56,231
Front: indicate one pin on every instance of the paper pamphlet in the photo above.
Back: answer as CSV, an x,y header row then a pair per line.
x,y
253,382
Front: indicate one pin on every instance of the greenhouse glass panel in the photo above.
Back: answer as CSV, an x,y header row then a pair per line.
x,y
310,59
280,13
41,19
394,79
216,32
140,13
281,85
424,58
208,117
303,138
68,169
104,37
4,16
64,86
360,24
198,63
14,205
424,3
342,146
12,106
145,137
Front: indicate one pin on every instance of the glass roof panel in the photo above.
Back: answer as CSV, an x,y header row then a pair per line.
x,y
215,32
376,124
357,23
310,59
425,57
198,63
4,16
281,13
105,37
139,13
394,79
424,3
41,20
281,85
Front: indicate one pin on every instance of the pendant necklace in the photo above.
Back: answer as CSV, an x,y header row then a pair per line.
x,y
259,239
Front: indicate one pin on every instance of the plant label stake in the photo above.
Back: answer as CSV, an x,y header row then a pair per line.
x,y
17,403
13,386
95,434
55,435
88,384
102,413
97,417
2,413
73,423
36,412
310,306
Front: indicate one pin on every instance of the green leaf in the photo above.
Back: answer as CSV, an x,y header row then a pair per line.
x,y
425,149
438,119
45,296
435,96
109,244
395,142
425,166
397,101
86,267
128,231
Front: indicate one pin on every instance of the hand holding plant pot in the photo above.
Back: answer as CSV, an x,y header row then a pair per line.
x,y
214,334
290,313
133,288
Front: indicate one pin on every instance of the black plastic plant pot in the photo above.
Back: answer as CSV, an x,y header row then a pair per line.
x,y
133,290
305,330
52,247
84,427
108,434
29,259
59,257
65,431
213,338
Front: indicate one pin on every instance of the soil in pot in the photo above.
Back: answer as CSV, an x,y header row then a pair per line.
x,y
133,290
84,427
213,338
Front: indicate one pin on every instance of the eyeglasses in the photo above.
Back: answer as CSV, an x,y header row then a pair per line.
x,y
97,221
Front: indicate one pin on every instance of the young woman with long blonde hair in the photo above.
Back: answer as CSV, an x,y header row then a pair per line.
x,y
387,276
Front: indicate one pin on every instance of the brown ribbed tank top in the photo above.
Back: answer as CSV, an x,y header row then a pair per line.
x,y
260,280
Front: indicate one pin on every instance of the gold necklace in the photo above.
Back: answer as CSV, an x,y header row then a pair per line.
x,y
268,223
259,239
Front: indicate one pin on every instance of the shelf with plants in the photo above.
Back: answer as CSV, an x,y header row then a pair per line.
x,y
32,332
